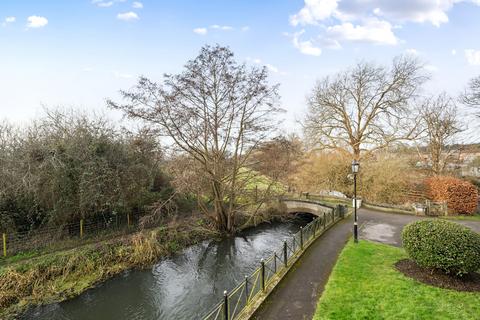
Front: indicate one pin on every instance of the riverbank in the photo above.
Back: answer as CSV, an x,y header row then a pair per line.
x,y
63,275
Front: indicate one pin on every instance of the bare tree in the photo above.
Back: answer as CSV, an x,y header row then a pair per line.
x,y
278,158
216,111
440,118
471,96
365,108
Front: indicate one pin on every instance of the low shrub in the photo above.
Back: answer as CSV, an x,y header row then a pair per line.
x,y
443,245
461,196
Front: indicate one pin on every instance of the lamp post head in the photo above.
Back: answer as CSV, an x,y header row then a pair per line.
x,y
355,166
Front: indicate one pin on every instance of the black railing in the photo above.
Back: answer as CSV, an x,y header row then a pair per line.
x,y
236,301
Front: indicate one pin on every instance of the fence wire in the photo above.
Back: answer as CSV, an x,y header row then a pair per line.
x,y
66,235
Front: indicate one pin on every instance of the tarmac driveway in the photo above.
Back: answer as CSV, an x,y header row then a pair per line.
x,y
387,227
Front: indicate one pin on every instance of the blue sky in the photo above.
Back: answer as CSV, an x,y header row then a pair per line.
x,y
79,52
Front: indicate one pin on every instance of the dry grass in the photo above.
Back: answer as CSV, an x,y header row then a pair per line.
x,y
58,276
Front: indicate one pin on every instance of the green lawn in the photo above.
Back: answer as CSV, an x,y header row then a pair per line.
x,y
475,217
365,285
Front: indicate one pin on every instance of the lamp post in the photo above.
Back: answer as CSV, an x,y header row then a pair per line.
x,y
355,168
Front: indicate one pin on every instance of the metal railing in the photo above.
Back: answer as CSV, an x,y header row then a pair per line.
x,y
245,293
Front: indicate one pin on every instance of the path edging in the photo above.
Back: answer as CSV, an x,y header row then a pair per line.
x,y
249,311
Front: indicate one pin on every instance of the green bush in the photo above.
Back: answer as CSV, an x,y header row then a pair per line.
x,y
443,245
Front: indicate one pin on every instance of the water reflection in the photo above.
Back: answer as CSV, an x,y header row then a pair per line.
x,y
184,286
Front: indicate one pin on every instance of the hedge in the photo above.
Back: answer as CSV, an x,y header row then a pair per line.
x,y
461,196
443,245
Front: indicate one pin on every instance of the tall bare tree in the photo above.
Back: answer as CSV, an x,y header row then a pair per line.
x,y
216,111
365,108
471,96
442,124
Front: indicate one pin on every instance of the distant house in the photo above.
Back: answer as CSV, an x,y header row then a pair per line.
x,y
464,160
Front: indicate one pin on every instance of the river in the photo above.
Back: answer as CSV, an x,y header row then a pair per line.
x,y
184,286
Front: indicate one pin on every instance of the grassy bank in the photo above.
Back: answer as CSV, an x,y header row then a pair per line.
x,y
61,275
41,278
365,285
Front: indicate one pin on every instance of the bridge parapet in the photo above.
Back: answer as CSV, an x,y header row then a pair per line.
x,y
308,206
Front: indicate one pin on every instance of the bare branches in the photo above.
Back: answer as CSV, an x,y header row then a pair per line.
x,y
67,165
216,111
439,116
471,96
365,108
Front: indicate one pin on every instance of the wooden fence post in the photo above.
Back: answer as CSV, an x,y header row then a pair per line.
x,y
128,219
81,228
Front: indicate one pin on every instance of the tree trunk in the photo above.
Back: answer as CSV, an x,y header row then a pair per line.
x,y
225,221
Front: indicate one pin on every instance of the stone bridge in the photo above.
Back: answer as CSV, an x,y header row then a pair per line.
x,y
309,206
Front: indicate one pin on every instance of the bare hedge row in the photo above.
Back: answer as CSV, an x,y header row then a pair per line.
x,y
461,196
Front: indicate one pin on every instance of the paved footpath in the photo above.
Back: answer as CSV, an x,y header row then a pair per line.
x,y
387,227
296,296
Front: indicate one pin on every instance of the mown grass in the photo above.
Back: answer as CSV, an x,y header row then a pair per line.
x,y
475,217
365,285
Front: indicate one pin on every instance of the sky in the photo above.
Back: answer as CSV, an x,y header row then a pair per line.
x,y
78,53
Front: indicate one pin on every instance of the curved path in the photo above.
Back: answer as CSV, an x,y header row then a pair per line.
x,y
297,294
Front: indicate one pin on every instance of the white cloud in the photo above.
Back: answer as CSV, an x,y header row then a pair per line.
x,y
137,5
245,28
411,51
200,31
420,11
373,31
330,43
224,28
377,11
372,21
473,57
8,20
314,11
203,31
306,47
128,16
269,66
106,4
453,52
36,22
272,68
